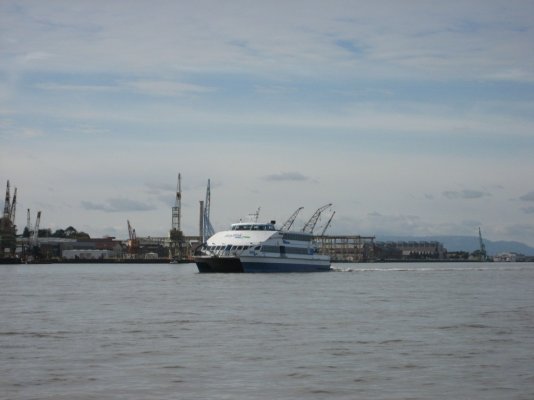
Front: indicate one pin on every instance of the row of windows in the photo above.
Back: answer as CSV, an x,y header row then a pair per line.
x,y
227,247
253,227
266,249
297,236
285,250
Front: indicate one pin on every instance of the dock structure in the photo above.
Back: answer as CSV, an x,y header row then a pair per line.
x,y
347,248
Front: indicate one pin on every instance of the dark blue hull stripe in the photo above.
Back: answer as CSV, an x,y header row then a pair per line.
x,y
261,267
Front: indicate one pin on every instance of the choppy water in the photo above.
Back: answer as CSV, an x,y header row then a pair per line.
x,y
382,331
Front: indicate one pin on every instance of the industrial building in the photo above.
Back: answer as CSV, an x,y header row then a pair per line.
x,y
410,251
347,248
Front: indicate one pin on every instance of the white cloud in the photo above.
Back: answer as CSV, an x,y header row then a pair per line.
x,y
296,37
166,88
148,87
75,87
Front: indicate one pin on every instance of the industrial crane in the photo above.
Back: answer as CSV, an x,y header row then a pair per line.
x,y
310,225
289,223
7,224
7,203
328,224
10,205
13,208
176,210
133,243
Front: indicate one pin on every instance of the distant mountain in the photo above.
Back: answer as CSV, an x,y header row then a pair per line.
x,y
467,243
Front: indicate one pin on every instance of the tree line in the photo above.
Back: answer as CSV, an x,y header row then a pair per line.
x,y
67,233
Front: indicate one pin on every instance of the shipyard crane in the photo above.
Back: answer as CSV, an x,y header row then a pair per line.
x,y
310,225
289,223
13,209
133,243
28,222
328,224
176,210
10,205
207,230
176,235
7,203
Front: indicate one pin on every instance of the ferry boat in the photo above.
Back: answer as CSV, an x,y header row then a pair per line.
x,y
252,247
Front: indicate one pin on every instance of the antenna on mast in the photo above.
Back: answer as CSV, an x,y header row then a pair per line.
x,y
254,216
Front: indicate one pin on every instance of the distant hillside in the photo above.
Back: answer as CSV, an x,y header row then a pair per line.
x,y
467,243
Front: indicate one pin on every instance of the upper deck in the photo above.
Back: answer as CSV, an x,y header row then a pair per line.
x,y
247,226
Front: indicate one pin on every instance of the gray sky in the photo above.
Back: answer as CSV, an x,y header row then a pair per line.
x,y
412,117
